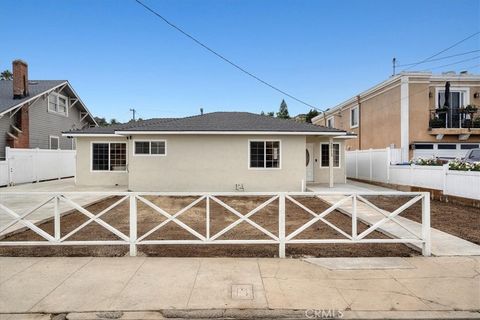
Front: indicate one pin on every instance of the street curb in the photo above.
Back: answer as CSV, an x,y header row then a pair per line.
x,y
264,314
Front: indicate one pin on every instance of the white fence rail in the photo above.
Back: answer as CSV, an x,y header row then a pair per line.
x,y
376,165
280,236
33,165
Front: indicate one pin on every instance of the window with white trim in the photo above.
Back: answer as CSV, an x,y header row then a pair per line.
x,y
58,103
325,155
354,117
54,142
264,154
109,156
330,122
154,148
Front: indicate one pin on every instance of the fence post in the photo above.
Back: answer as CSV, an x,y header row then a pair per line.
x,y
35,166
356,164
281,225
207,218
389,161
370,153
56,218
445,174
426,246
9,166
354,217
133,226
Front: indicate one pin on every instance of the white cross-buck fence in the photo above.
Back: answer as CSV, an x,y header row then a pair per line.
x,y
54,203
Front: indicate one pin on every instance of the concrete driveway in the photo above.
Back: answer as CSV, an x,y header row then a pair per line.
x,y
21,204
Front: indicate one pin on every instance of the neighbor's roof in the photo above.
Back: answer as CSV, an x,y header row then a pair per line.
x,y
215,122
35,87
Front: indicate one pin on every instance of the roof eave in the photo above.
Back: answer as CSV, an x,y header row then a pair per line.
x,y
301,133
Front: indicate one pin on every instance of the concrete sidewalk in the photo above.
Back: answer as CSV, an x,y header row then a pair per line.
x,y
56,285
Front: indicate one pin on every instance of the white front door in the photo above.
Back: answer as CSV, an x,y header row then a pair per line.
x,y
309,161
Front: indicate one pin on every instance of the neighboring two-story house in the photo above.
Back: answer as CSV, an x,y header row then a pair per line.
x,y
33,113
407,112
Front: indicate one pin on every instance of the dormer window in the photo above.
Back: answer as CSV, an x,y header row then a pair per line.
x,y
58,103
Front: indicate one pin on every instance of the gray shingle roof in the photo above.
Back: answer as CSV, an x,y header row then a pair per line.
x,y
215,121
35,87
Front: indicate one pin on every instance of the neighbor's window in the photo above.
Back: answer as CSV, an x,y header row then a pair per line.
x,y
109,156
265,154
54,142
354,117
330,122
325,156
58,103
150,148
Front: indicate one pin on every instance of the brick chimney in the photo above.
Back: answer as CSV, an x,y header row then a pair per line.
x,y
20,79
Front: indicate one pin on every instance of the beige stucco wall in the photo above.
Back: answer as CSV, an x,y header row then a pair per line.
x,y
208,163
321,174
84,175
216,163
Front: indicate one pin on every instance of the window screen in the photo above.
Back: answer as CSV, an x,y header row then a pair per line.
x,y
142,147
54,143
100,156
109,156
264,154
118,157
157,147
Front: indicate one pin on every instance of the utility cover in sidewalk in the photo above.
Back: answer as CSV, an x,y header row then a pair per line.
x,y
242,292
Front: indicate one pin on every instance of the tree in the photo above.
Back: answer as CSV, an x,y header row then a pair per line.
x,y
269,114
114,121
101,121
311,114
283,111
6,75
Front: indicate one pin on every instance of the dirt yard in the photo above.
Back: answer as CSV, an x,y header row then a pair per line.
x,y
219,219
456,219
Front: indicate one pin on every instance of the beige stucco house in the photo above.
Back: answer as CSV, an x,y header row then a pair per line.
x,y
405,112
220,151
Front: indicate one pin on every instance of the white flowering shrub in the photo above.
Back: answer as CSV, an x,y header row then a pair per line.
x,y
461,165
426,161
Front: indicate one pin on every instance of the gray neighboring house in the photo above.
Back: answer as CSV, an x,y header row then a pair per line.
x,y
34,113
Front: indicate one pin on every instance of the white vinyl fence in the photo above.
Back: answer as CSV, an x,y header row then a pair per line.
x,y
376,165
206,232
33,165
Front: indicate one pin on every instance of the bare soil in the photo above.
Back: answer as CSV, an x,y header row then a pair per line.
x,y
456,219
220,218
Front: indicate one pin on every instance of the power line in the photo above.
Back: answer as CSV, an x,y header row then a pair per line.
x,y
454,63
223,57
442,51
438,59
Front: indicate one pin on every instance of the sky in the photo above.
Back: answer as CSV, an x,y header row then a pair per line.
x,y
119,56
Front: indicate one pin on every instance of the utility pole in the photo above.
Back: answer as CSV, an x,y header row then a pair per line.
x,y
133,112
394,62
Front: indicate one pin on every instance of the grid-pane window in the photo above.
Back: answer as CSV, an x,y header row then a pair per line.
x,y
325,156
109,156
150,147
272,156
157,147
257,154
142,147
100,156
118,156
58,103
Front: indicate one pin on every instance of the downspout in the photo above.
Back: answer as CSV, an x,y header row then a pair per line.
x,y
359,123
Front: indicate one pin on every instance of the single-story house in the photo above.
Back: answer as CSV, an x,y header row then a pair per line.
x,y
219,151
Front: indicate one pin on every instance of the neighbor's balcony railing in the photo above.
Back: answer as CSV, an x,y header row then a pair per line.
x,y
454,118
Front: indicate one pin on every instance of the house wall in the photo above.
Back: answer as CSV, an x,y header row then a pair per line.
x,y
216,163
4,128
44,123
321,174
84,175
207,163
